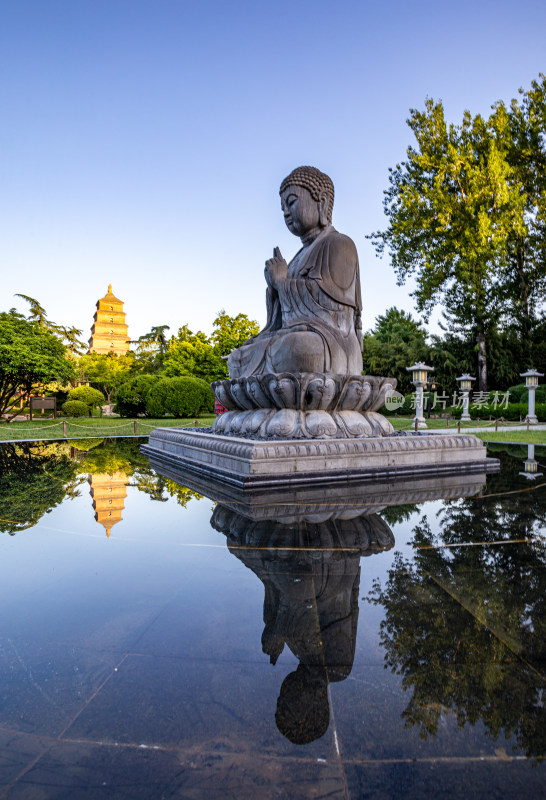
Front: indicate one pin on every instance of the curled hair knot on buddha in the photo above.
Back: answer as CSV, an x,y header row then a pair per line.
x,y
316,182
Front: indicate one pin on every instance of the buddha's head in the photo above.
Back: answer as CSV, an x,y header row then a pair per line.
x,y
303,713
307,200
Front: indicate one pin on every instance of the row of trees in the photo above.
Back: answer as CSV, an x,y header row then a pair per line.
x,y
467,219
398,340
37,355
33,357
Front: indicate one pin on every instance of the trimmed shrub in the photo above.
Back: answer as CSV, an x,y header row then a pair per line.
x,y
512,412
179,397
85,394
75,408
132,396
519,393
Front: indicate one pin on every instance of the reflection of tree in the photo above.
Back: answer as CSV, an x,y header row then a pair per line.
x,y
113,455
465,621
393,515
311,575
182,494
123,455
34,480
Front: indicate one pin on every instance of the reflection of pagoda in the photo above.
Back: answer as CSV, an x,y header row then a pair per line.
x,y
109,331
108,493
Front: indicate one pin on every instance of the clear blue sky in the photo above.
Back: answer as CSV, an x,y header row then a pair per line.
x,y
142,143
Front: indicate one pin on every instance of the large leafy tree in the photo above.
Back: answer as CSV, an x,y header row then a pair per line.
x,y
523,126
106,370
191,353
197,354
151,348
453,207
231,332
31,355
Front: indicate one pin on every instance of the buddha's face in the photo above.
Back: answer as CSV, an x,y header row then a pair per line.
x,y
301,212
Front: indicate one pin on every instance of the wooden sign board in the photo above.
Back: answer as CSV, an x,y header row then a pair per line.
x,y
45,403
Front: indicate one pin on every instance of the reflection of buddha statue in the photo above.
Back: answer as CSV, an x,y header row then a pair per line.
x,y
313,303
311,574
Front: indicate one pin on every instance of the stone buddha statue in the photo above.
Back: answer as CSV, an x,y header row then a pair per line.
x,y
301,376
313,303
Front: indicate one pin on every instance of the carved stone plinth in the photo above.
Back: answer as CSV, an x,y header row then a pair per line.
x,y
303,406
261,463
315,503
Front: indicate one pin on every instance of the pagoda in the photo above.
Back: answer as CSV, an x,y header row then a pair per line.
x,y
109,331
108,493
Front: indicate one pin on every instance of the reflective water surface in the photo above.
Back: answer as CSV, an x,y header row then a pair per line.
x,y
165,638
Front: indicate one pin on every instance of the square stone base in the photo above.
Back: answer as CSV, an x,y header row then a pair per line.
x,y
249,463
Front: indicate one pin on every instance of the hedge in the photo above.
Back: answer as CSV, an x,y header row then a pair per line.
x,y
75,408
87,395
179,397
132,396
512,412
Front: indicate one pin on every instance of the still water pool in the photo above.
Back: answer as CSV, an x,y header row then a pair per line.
x,y
370,641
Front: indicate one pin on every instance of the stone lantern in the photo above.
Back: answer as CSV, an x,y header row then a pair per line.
x,y
531,465
465,385
531,381
419,379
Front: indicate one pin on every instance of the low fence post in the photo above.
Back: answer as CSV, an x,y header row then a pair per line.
x,y
527,423
459,426
64,428
497,424
134,427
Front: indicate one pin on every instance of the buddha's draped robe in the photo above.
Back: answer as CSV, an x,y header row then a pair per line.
x,y
321,295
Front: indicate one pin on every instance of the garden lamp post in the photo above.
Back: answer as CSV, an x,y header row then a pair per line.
x,y
419,379
531,381
530,465
431,387
465,385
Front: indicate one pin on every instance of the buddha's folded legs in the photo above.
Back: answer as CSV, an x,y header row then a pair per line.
x,y
298,351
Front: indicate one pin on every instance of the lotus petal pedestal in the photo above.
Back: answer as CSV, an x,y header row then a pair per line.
x,y
304,405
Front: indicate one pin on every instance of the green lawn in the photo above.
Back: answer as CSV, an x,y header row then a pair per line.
x,y
527,437
406,423
83,427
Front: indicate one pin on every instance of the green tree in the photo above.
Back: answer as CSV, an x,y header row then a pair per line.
x,y
151,348
37,312
190,353
453,207
106,370
396,342
523,126
132,395
31,355
69,335
231,332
